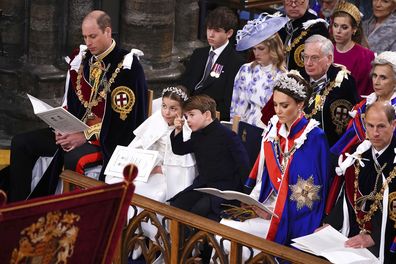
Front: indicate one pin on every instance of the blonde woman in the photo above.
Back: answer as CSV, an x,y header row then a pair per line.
x,y
255,80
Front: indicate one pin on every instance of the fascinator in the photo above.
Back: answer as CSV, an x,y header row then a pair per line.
x,y
259,29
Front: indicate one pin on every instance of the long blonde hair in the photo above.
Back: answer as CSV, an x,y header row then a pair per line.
x,y
276,50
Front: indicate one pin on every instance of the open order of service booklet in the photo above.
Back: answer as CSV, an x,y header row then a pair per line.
x,y
144,160
234,195
58,118
329,243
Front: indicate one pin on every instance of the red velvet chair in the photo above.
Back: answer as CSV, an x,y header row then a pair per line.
x,y
82,226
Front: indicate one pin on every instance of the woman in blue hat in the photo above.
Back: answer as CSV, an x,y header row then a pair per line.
x,y
255,80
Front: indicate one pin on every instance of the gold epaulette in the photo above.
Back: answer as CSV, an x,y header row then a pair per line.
x,y
93,131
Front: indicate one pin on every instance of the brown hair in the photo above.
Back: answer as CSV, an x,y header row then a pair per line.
x,y
102,19
359,36
202,103
298,98
222,17
385,107
277,54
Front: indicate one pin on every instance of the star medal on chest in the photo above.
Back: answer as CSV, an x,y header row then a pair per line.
x,y
216,70
305,192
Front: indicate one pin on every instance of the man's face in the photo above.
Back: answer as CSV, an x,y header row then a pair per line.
x,y
295,8
217,37
97,41
315,62
378,128
328,7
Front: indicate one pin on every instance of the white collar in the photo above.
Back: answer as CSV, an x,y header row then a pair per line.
x,y
220,49
379,152
324,77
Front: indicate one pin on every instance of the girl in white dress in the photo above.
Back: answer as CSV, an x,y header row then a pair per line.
x,y
172,173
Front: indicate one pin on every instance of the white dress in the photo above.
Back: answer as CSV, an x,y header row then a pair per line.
x,y
178,172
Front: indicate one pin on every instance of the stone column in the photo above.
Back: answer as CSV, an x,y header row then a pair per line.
x,y
78,9
186,28
12,30
44,32
148,25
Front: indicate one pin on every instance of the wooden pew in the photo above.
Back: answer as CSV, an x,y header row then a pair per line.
x,y
170,242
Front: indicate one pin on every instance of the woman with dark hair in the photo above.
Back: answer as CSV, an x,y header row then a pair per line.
x,y
348,37
293,187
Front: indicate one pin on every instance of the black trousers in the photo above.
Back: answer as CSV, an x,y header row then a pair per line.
x,y
196,202
26,148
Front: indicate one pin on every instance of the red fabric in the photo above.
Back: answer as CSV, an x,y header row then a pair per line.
x,y
102,213
268,111
85,90
88,159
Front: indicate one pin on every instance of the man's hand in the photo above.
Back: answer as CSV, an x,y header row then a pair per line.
x,y
178,122
363,240
69,142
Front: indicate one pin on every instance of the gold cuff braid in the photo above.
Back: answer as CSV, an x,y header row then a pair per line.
x,y
93,131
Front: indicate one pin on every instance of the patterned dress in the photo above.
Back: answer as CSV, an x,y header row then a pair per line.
x,y
252,90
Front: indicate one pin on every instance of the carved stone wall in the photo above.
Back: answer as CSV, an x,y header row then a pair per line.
x,y
36,35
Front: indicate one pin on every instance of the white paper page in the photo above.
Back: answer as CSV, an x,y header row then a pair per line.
x,y
38,105
329,243
233,195
61,120
122,156
58,118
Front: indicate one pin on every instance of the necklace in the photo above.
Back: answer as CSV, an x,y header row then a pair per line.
x,y
95,97
285,155
319,105
376,196
296,41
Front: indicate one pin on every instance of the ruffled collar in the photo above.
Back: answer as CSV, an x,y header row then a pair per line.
x,y
296,127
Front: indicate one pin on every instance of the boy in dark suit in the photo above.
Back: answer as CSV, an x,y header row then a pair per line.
x,y
211,70
222,161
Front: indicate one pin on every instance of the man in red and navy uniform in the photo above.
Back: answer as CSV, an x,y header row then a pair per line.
x,y
106,89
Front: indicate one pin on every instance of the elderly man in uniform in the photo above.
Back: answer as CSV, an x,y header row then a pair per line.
x,y
302,25
366,210
334,92
106,89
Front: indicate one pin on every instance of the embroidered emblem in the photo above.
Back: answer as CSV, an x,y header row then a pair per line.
x,y
50,240
298,56
305,192
392,207
339,114
122,101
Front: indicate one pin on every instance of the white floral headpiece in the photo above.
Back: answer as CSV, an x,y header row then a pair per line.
x,y
177,91
287,83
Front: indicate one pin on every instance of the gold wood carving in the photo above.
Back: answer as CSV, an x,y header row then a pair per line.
x,y
50,240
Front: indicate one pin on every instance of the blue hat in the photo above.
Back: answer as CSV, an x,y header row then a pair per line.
x,y
259,29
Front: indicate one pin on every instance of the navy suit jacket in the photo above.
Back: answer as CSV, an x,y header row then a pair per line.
x,y
220,89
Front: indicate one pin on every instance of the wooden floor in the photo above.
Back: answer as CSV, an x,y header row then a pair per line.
x,y
4,158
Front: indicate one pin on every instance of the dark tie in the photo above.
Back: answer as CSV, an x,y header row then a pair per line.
x,y
208,67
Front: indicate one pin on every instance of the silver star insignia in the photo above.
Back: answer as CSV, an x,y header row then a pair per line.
x,y
305,192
